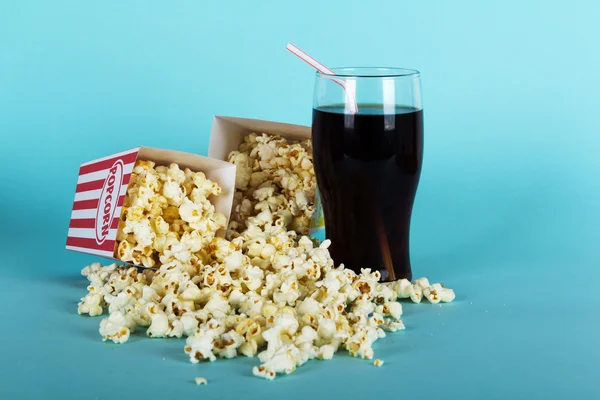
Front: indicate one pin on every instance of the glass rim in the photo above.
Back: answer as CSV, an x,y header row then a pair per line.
x,y
376,72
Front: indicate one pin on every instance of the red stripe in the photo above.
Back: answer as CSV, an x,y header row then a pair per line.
x,y
100,165
93,203
90,223
86,204
82,223
92,185
95,185
108,245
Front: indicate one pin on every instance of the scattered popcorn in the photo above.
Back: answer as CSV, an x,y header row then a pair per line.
x,y
201,381
263,372
284,360
268,290
159,326
90,304
447,295
432,294
393,326
326,352
390,308
378,362
421,282
417,293
402,287
116,328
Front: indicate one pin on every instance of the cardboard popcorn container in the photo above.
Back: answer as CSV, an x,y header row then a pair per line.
x,y
228,133
102,187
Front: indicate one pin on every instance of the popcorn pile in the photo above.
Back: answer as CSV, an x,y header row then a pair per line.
x,y
269,291
275,175
167,215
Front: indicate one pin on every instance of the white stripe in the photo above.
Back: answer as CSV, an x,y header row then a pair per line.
x,y
88,233
83,214
123,153
89,195
103,253
91,213
95,194
102,174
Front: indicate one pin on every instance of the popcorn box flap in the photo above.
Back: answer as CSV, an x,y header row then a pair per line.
x,y
228,133
102,187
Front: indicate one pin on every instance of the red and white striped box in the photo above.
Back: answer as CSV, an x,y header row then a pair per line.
x,y
102,187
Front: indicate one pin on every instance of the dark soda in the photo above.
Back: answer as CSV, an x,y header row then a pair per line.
x,y
368,167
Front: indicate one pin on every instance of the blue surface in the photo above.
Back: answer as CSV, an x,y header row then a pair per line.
x,y
507,212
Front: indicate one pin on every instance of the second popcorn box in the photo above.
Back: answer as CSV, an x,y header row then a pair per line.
x,y
145,204
275,157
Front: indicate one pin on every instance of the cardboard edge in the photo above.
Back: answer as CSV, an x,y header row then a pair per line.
x,y
290,131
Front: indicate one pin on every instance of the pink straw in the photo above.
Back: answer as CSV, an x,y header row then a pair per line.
x,y
348,88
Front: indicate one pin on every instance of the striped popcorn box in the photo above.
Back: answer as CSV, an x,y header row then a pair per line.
x,y
102,188
228,133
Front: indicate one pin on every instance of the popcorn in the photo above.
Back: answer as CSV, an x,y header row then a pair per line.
x,y
190,211
392,326
253,277
175,329
190,292
360,344
307,335
402,287
90,304
200,381
159,326
308,306
200,346
391,308
122,301
423,283
284,327
173,192
267,290
432,295
218,305
283,361
326,330
226,346
263,372
446,295
288,293
417,293
116,327
326,352
378,362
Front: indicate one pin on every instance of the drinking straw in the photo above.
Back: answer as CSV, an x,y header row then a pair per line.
x,y
348,86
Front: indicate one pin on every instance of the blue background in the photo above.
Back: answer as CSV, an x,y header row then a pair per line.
x,y
507,211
